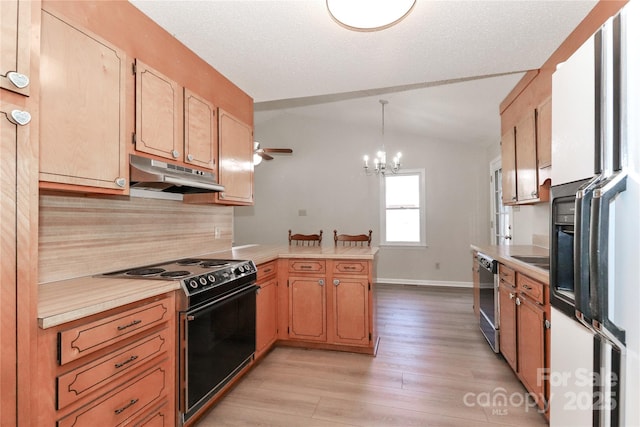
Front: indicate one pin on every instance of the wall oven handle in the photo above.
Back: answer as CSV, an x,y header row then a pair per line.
x,y
581,247
603,197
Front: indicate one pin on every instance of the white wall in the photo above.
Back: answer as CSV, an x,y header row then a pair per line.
x,y
324,177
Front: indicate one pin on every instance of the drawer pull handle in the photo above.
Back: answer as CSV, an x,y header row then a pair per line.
x,y
527,287
134,323
128,405
349,267
129,360
267,270
305,266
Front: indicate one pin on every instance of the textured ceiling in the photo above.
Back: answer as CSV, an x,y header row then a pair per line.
x,y
292,55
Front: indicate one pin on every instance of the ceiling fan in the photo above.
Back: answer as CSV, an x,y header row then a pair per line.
x,y
261,153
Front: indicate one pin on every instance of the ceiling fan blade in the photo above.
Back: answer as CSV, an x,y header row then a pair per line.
x,y
265,156
278,150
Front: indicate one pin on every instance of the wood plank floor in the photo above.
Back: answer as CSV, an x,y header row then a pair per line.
x,y
433,368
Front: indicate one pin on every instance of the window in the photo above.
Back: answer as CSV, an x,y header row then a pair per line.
x,y
403,209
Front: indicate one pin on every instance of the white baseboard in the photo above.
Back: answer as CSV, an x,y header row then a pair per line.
x,y
425,283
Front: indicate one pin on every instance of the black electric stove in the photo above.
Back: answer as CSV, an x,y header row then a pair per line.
x,y
202,279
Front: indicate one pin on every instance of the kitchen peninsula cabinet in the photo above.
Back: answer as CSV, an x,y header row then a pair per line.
x,y
329,304
235,155
15,16
350,303
266,308
307,300
82,109
116,367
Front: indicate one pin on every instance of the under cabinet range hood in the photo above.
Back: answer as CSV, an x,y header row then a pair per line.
x,y
156,175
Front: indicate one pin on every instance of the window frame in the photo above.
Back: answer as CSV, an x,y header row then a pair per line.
x,y
423,216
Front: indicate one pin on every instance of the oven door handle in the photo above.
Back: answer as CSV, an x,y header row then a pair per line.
x,y
195,312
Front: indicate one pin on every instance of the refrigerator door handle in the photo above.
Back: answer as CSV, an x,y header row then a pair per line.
x,y
603,196
582,222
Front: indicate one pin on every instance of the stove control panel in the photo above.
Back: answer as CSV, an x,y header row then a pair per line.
x,y
221,276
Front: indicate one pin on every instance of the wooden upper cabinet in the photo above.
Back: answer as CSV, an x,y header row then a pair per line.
x,y
15,17
235,168
508,143
82,109
543,123
200,131
158,113
526,158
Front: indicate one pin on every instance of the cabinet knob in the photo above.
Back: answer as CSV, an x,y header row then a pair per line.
x,y
190,157
258,291
534,193
336,282
518,301
120,182
221,195
19,117
547,324
321,282
175,154
511,295
18,80
513,198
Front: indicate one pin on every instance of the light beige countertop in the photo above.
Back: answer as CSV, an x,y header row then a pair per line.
x,y
67,300
504,255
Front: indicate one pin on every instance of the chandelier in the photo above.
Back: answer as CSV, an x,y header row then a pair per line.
x,y
380,165
369,15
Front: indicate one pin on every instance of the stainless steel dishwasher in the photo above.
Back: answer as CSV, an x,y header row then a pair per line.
x,y
489,318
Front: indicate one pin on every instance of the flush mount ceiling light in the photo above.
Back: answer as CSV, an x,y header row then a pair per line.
x,y
369,15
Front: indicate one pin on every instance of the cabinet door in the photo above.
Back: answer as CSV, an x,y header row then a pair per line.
x,y
15,17
543,134
158,113
508,146
266,315
235,160
82,108
350,311
531,346
11,136
200,131
526,158
508,325
307,308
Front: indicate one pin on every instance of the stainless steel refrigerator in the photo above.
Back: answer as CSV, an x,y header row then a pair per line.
x,y
594,374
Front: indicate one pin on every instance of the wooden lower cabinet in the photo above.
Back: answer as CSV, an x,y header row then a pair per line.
x,y
508,322
126,376
524,336
350,310
531,349
329,303
266,308
307,308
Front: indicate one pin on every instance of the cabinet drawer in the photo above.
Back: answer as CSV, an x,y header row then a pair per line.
x,y
306,266
265,270
80,382
82,340
157,417
532,288
351,267
507,274
117,407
